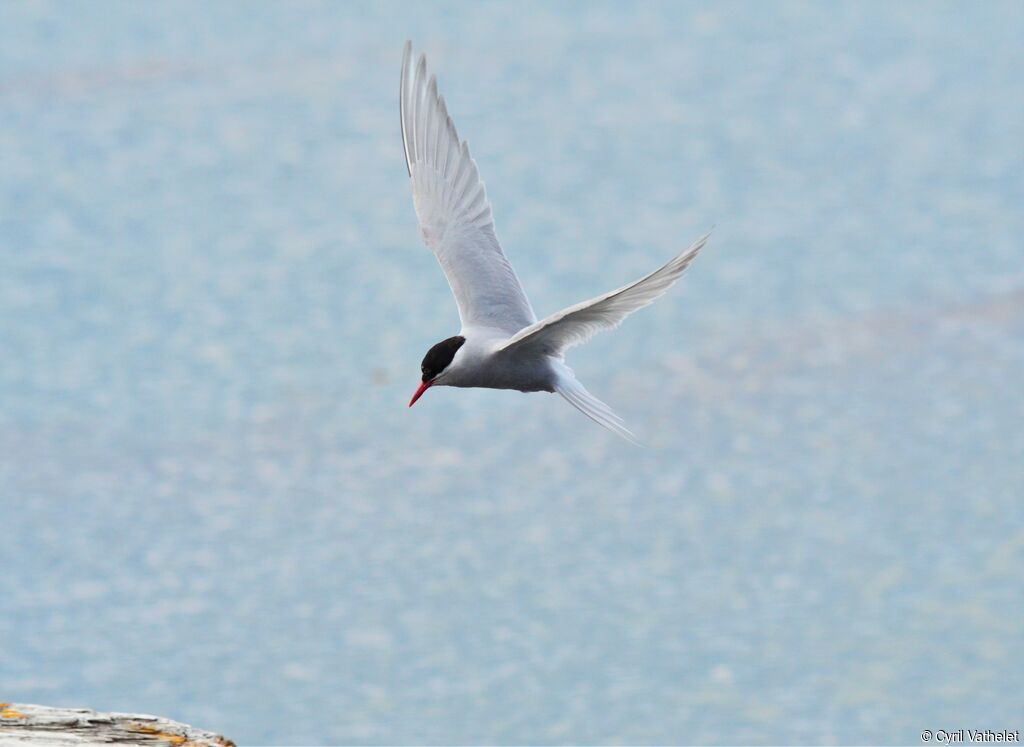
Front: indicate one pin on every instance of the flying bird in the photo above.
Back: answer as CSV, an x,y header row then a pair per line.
x,y
501,344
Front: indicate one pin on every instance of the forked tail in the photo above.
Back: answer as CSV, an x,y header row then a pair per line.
x,y
577,396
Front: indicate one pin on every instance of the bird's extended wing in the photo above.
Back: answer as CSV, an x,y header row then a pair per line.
x,y
577,324
452,207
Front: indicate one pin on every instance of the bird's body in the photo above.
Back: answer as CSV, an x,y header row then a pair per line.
x,y
481,362
501,344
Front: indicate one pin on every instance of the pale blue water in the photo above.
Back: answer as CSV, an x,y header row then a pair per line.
x,y
213,303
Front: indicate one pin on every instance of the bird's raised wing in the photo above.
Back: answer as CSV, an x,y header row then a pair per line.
x,y
452,207
577,324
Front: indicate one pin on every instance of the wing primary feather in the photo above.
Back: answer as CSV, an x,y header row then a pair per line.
x,y
403,91
443,136
430,126
461,176
420,94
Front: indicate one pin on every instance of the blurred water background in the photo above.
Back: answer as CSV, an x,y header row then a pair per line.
x,y
217,507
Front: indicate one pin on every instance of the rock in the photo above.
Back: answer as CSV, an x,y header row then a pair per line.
x,y
39,726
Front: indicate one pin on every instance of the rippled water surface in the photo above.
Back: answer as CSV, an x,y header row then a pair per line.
x,y
213,304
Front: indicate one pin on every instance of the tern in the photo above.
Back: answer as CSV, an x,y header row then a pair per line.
x,y
501,344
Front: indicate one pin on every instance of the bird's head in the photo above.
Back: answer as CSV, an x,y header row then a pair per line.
x,y
436,363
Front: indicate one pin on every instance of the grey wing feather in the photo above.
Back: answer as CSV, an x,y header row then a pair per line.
x,y
452,207
575,325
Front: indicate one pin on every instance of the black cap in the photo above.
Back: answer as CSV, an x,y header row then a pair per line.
x,y
438,357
